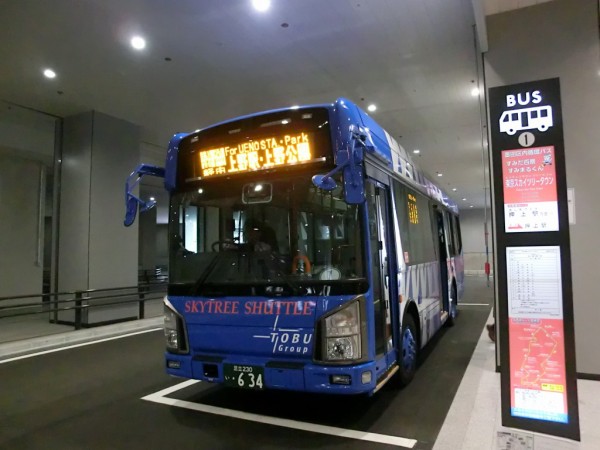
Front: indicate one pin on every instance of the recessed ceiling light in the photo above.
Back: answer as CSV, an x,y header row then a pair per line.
x,y
453,189
49,73
440,174
285,121
138,42
416,152
475,92
470,206
152,199
261,5
200,191
464,199
372,107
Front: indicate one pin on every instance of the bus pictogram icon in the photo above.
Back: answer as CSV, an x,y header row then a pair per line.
x,y
539,117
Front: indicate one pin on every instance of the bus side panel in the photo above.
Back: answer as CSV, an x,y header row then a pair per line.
x,y
459,275
421,284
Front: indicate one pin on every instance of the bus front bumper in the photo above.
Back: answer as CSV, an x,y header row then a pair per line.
x,y
295,376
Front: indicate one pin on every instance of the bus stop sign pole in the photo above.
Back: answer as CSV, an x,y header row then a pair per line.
x,y
535,299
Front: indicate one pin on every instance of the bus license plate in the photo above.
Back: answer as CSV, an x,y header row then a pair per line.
x,y
247,377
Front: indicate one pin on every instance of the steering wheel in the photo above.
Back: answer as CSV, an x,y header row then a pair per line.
x,y
224,244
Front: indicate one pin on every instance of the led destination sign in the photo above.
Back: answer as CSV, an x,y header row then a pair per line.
x,y
250,155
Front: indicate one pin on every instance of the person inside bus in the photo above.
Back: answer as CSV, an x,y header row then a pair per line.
x,y
260,237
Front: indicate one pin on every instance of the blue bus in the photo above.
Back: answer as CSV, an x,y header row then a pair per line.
x,y
307,252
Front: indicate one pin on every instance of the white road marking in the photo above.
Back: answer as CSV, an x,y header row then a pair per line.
x,y
159,397
60,349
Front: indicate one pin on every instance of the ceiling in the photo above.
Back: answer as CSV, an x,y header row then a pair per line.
x,y
210,60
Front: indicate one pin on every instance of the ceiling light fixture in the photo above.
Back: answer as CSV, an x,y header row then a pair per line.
x,y
453,189
138,42
49,73
372,107
475,92
440,174
152,199
464,199
261,5
416,152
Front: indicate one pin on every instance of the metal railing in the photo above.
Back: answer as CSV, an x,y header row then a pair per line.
x,y
81,301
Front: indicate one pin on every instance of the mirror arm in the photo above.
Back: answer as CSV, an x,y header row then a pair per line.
x,y
132,201
359,139
325,182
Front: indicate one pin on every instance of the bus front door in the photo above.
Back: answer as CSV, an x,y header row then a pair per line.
x,y
443,259
377,203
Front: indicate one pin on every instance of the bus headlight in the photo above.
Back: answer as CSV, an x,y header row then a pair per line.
x,y
342,334
174,330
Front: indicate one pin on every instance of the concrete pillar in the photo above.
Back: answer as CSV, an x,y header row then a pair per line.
x,y
95,250
147,242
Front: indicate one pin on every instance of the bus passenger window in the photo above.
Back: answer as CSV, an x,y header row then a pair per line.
x,y
534,114
506,118
544,113
514,116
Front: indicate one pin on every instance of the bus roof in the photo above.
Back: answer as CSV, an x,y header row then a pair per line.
x,y
386,147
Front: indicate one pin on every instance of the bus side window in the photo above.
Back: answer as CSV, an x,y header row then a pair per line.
x,y
544,113
506,118
514,116
534,114
458,236
452,240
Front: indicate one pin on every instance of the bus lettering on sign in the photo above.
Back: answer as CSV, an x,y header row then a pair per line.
x,y
269,152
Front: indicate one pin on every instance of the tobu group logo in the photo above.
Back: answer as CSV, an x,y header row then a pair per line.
x,y
291,341
288,341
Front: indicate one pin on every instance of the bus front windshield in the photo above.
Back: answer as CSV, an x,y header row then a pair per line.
x,y
277,237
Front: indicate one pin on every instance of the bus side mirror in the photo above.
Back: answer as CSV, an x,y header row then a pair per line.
x,y
130,211
131,201
324,182
131,208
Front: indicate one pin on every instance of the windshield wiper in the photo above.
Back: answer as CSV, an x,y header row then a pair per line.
x,y
204,275
295,287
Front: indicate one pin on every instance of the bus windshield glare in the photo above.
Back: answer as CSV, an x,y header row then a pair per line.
x,y
277,237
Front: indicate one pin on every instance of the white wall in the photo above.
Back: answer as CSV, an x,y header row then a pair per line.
x,y
27,132
19,217
26,145
560,39
473,238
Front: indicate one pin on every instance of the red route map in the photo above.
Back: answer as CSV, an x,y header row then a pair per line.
x,y
537,361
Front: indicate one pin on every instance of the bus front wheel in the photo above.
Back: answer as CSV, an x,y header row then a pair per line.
x,y
408,351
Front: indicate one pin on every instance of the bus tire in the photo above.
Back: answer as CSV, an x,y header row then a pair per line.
x,y
453,308
409,350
